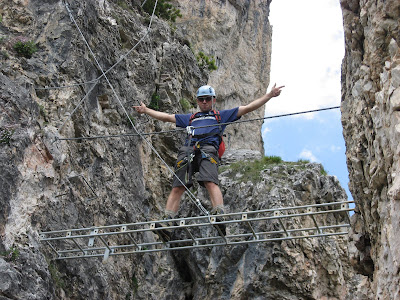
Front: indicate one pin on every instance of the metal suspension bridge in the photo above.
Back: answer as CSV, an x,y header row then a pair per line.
x,y
275,224
259,226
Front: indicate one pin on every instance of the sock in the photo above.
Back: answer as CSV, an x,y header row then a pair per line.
x,y
169,214
219,209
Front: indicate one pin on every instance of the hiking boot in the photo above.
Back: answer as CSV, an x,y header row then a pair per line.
x,y
221,227
165,234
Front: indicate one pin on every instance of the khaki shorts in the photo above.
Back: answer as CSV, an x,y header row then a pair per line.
x,y
204,162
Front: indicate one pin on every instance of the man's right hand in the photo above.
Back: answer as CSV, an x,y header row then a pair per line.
x,y
140,109
159,115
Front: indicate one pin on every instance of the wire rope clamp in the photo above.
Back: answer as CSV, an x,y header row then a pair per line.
x,y
309,210
182,223
244,217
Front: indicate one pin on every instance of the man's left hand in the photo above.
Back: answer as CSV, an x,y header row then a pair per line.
x,y
276,91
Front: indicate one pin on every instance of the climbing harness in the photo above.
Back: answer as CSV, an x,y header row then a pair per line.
x,y
217,116
195,151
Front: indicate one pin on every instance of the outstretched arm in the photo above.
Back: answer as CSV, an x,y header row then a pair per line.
x,y
275,92
159,115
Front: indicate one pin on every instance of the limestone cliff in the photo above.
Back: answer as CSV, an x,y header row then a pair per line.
x,y
371,127
50,184
238,35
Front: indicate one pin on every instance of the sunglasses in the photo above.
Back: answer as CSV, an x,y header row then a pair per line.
x,y
208,98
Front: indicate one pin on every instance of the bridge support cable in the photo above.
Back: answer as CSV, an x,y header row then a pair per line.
x,y
190,194
261,226
97,80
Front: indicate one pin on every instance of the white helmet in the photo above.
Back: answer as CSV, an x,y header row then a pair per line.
x,y
205,90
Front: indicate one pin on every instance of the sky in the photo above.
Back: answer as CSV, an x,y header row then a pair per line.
x,y
307,52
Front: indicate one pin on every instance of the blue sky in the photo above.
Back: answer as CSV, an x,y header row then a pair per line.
x,y
307,52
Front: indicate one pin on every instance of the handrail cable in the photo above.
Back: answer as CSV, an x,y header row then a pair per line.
x,y
184,129
96,81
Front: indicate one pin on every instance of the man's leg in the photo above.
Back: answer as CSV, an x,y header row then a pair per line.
x,y
215,194
171,208
217,202
173,201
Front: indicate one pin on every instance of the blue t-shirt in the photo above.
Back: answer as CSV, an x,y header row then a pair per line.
x,y
204,119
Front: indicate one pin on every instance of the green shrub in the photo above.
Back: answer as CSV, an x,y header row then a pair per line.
x,y
269,160
5,135
11,255
206,61
42,111
135,284
323,171
250,170
186,105
303,161
163,10
56,275
25,48
154,103
4,54
123,4
132,119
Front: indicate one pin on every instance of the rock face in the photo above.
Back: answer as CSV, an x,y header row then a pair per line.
x,y
371,127
48,183
237,34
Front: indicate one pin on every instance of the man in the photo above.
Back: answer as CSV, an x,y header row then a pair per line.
x,y
200,152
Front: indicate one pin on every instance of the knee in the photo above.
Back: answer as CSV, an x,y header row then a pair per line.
x,y
178,190
210,185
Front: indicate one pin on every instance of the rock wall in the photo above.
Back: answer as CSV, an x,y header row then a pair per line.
x,y
48,184
371,127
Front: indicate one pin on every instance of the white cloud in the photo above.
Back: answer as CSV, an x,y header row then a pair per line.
x,y
335,148
307,154
307,50
265,131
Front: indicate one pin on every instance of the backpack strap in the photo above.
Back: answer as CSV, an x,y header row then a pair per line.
x,y
214,113
217,116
